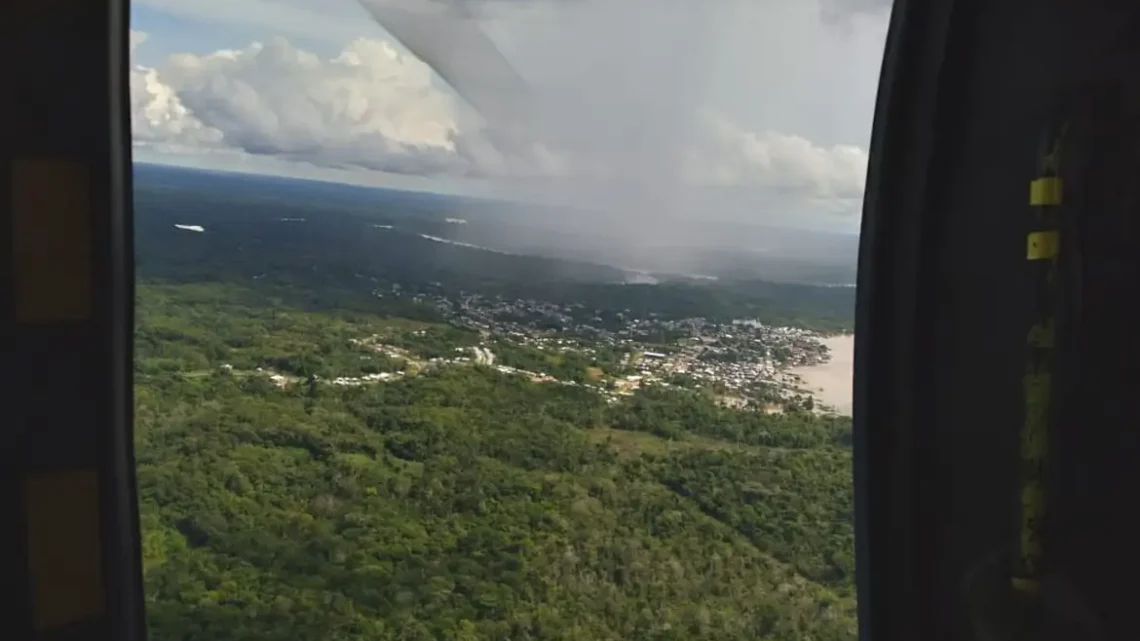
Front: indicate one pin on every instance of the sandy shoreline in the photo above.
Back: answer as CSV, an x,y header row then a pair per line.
x,y
831,382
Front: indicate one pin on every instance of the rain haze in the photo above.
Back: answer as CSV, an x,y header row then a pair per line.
x,y
666,135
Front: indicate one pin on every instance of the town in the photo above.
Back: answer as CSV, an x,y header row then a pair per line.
x,y
746,363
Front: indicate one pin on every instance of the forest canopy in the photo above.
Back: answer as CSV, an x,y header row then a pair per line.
x,y
460,502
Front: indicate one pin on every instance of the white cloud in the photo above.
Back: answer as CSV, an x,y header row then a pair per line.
x,y
781,162
374,107
137,38
158,117
370,107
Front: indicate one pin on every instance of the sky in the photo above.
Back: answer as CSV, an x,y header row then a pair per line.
x,y
729,109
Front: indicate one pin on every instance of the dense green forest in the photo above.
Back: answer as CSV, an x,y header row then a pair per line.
x,y
442,499
457,502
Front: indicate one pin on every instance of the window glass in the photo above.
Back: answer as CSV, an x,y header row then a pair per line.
x,y
493,319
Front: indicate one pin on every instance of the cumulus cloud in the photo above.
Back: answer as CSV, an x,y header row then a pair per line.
x,y
374,107
370,107
159,119
776,161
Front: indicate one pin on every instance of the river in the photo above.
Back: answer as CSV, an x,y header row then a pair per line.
x,y
831,382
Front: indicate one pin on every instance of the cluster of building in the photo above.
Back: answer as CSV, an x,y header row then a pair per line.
x,y
573,326
736,359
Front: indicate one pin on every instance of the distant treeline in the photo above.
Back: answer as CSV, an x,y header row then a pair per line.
x,y
339,257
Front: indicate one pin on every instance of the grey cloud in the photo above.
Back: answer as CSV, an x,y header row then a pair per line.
x,y
615,90
831,11
842,11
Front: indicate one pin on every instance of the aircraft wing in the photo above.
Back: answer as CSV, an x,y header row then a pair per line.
x,y
454,45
